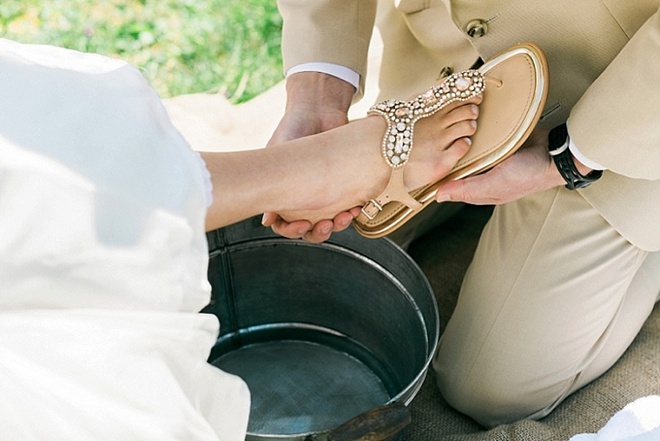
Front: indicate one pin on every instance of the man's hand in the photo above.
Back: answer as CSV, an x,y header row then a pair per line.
x,y
530,170
316,102
317,233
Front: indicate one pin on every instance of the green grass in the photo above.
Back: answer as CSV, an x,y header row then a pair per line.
x,y
181,46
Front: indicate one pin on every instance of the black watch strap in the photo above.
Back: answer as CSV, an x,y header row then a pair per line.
x,y
558,148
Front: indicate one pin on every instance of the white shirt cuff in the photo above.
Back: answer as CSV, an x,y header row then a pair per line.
x,y
336,70
580,157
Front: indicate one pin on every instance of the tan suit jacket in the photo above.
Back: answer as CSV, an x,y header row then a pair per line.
x,y
604,58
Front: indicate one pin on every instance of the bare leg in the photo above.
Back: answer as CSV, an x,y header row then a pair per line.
x,y
316,177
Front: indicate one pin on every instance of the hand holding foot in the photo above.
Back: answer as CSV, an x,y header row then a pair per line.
x,y
315,177
353,170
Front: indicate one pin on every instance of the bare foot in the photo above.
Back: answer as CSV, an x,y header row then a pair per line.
x,y
350,168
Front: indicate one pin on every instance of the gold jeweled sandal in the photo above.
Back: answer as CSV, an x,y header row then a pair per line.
x,y
511,107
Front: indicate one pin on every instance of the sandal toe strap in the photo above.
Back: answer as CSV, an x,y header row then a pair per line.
x,y
401,117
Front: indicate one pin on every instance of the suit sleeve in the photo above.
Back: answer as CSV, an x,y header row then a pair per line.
x,y
616,122
331,31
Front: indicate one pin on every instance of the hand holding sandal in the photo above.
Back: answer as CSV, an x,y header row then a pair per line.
x,y
514,87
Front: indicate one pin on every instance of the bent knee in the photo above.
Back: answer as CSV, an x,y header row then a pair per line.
x,y
493,398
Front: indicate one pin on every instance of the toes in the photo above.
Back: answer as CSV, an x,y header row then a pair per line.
x,y
459,130
442,164
469,111
476,100
454,153
466,128
456,112
460,147
458,123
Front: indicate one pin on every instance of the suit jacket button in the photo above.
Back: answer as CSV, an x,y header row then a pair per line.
x,y
477,28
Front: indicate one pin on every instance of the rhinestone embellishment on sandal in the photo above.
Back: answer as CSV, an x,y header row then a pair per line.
x,y
401,116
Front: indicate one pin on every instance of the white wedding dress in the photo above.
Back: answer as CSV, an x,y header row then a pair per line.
x,y
103,261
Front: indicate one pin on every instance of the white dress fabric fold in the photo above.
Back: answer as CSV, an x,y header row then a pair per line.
x,y
103,260
637,421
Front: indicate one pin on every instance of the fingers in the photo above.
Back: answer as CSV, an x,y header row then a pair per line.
x,y
320,232
455,191
290,230
355,212
521,174
324,229
343,220
317,233
268,219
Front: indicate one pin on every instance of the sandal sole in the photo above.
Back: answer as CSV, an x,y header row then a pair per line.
x,y
507,116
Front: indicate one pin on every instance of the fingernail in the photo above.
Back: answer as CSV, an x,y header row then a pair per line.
x,y
441,197
468,140
326,230
301,231
263,220
473,123
475,109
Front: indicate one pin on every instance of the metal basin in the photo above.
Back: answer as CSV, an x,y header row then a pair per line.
x,y
321,333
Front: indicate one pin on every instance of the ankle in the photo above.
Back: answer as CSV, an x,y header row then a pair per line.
x,y
373,173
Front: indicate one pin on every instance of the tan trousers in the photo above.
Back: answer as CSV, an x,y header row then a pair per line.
x,y
552,299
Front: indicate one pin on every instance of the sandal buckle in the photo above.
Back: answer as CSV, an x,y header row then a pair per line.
x,y
371,209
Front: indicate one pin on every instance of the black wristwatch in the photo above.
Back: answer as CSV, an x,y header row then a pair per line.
x,y
558,148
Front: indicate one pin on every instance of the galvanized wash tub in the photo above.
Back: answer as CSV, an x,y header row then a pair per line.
x,y
321,333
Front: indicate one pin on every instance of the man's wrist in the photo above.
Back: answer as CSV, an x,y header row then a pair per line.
x,y
583,169
316,89
575,174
